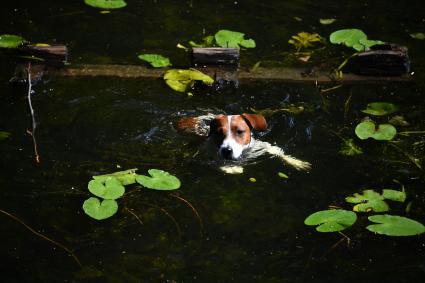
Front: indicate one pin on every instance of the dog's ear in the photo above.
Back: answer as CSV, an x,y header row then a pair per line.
x,y
255,121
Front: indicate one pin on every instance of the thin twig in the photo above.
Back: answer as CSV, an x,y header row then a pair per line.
x,y
34,124
42,236
135,215
201,224
169,216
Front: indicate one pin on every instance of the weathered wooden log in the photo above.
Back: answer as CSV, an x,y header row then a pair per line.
x,y
53,55
275,74
381,60
215,56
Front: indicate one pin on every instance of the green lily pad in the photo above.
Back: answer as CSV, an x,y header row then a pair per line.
x,y
126,177
182,80
380,108
331,220
110,189
156,60
394,195
368,201
233,39
4,135
106,4
391,225
11,41
354,38
349,148
100,210
159,180
367,129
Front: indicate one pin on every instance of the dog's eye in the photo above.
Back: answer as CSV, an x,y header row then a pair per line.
x,y
240,132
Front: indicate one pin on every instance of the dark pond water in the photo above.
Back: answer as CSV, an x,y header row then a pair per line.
x,y
249,232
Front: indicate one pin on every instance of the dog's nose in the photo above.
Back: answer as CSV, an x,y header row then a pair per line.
x,y
226,152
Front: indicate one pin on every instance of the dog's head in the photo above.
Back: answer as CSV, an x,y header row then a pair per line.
x,y
233,133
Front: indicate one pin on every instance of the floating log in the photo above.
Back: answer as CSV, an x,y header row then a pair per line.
x,y
54,55
294,75
215,56
381,60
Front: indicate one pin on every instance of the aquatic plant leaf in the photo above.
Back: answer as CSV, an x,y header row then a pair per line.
x,y
4,135
327,21
159,180
100,210
354,38
392,225
348,37
418,35
247,43
283,175
331,220
110,189
368,201
106,4
232,39
394,195
349,148
207,41
304,39
181,80
367,129
156,60
380,108
126,177
11,41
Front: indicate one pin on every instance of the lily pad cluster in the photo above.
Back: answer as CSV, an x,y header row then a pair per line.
x,y
225,39
108,188
4,135
354,38
335,220
368,129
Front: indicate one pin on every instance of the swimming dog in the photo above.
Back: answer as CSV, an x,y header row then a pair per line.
x,y
233,136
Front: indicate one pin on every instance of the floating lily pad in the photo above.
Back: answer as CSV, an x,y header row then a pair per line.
x,y
367,129
418,35
156,60
233,39
182,80
394,195
368,201
331,220
380,108
4,135
100,210
391,225
110,189
159,180
126,177
106,4
354,38
11,41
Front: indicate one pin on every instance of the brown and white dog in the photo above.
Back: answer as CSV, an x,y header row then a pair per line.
x,y
233,136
